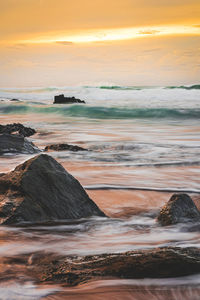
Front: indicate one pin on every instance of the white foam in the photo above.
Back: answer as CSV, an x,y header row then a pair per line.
x,y
146,97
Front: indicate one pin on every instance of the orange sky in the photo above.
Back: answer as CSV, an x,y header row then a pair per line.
x,y
132,42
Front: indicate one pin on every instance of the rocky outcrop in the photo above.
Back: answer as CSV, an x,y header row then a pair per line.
x,y
41,190
61,99
17,128
10,143
72,270
180,208
64,147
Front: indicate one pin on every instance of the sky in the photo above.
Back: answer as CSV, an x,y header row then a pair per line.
x,y
122,42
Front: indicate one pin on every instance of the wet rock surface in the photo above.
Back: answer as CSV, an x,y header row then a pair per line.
x,y
180,208
64,147
10,143
72,270
61,99
41,190
17,128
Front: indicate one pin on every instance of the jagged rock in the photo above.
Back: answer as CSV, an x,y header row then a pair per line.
x,y
180,208
64,147
61,99
10,143
41,190
17,128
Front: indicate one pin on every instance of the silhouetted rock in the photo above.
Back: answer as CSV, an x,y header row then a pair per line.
x,y
41,190
10,143
180,208
64,147
61,99
17,128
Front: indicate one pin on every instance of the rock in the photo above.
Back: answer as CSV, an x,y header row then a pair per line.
x,y
14,100
61,99
41,190
180,208
64,147
72,270
10,143
17,128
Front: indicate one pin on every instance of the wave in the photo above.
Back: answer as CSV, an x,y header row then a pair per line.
x,y
101,112
52,89
139,88
117,87
132,188
185,87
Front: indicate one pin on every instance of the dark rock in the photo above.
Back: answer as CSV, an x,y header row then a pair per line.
x,y
72,270
10,143
41,190
64,147
180,208
15,100
61,99
17,128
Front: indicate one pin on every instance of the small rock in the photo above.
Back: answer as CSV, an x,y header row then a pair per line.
x,y
10,143
15,100
17,128
180,208
64,147
61,99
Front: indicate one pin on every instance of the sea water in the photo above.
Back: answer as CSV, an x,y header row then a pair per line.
x,y
144,145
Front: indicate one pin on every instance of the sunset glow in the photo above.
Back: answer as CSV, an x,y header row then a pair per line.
x,y
116,34
142,42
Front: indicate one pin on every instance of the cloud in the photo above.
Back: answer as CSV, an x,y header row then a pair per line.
x,y
66,43
148,32
17,46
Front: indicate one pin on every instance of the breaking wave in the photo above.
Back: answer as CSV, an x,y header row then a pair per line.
x,y
101,112
185,87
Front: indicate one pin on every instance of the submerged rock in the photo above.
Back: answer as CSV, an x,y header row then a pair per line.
x,y
10,143
17,128
64,147
41,190
61,99
180,208
72,270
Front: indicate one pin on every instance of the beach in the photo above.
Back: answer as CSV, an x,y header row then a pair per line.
x,y
143,146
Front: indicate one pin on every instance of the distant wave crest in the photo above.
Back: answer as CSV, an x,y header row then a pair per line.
x,y
192,87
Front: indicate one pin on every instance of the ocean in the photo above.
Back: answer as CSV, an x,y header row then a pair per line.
x,y
144,146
